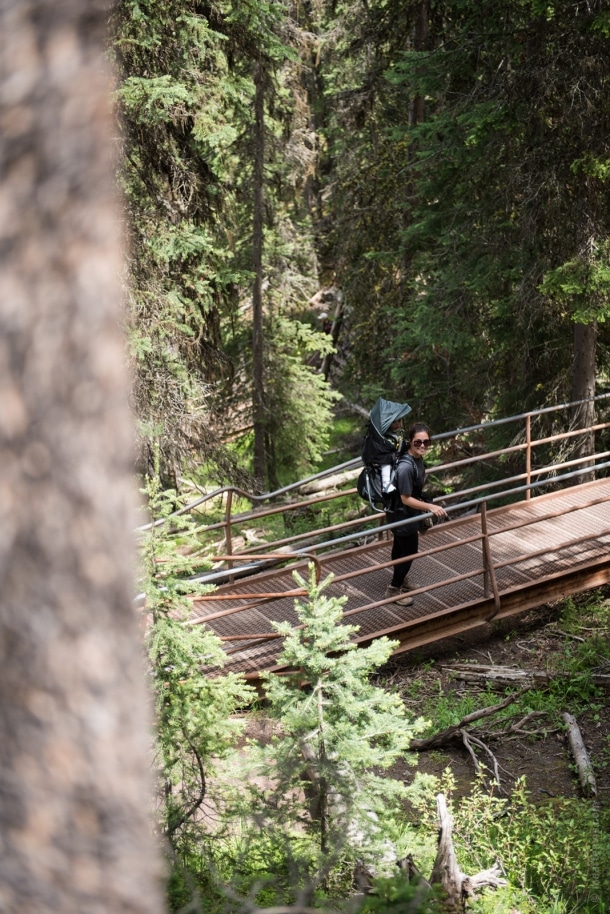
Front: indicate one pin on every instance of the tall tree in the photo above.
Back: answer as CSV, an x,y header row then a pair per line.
x,y
211,135
453,263
74,785
258,366
177,100
368,178
278,155
338,731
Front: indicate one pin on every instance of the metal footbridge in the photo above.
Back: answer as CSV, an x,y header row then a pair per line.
x,y
514,541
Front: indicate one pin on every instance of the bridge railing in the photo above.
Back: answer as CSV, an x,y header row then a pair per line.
x,y
528,464
470,589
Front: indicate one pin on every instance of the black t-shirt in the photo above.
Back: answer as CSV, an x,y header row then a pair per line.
x,y
410,476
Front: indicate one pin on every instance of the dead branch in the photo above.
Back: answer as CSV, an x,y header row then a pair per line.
x,y
446,872
478,742
517,729
517,726
581,756
470,750
451,733
408,866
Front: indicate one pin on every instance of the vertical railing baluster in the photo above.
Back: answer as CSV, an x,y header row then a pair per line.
x,y
228,530
528,454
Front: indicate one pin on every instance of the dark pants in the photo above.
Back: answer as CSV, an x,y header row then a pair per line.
x,y
402,547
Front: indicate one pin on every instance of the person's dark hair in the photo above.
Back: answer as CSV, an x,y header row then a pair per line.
x,y
417,429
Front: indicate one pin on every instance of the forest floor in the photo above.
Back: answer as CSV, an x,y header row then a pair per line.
x,y
534,641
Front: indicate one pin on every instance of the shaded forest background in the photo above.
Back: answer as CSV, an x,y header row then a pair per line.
x,y
433,176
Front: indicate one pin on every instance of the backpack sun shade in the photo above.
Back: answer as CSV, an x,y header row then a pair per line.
x,y
376,449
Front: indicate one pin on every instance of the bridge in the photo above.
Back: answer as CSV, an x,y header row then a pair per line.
x,y
547,537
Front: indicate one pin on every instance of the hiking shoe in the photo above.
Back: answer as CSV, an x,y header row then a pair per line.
x,y
400,593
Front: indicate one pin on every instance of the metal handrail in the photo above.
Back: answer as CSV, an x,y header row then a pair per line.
x,y
470,506
264,508
487,569
354,462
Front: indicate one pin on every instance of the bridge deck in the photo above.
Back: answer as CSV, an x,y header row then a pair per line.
x,y
537,551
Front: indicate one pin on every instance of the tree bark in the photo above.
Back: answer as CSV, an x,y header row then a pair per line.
x,y
74,736
583,387
420,43
258,367
446,872
502,677
581,756
334,334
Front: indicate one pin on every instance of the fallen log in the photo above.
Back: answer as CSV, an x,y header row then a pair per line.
x,y
329,482
503,677
581,756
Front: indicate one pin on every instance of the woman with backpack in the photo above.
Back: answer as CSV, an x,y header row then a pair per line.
x,y
409,502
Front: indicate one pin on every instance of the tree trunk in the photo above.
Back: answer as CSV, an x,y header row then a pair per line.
x,y
334,334
420,43
583,387
74,736
258,367
446,872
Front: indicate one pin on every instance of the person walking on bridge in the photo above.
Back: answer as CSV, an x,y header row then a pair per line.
x,y
409,502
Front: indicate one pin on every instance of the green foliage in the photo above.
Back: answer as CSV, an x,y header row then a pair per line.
x,y
396,895
338,733
554,855
582,286
196,729
477,204
185,96
557,851
299,399
448,710
172,73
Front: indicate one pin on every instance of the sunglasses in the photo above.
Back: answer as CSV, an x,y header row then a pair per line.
x,y
419,442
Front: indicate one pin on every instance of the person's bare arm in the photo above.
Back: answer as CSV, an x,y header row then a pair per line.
x,y
411,502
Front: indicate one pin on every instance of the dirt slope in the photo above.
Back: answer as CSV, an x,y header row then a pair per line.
x,y
529,642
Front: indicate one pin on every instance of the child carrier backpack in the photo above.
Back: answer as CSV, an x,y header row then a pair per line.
x,y
370,488
379,448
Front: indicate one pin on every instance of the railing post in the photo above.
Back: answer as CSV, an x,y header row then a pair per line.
x,y
228,531
528,455
489,575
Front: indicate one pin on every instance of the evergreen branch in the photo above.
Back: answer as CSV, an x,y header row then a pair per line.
x,y
173,828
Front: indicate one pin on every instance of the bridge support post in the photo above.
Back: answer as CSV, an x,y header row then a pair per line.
x,y
489,576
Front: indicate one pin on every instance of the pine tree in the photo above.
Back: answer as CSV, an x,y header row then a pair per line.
x,y
195,723
215,130
337,731
471,229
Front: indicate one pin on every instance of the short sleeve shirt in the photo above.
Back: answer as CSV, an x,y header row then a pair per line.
x,y
410,476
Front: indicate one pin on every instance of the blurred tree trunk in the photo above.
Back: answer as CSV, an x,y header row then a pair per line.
x,y
74,739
